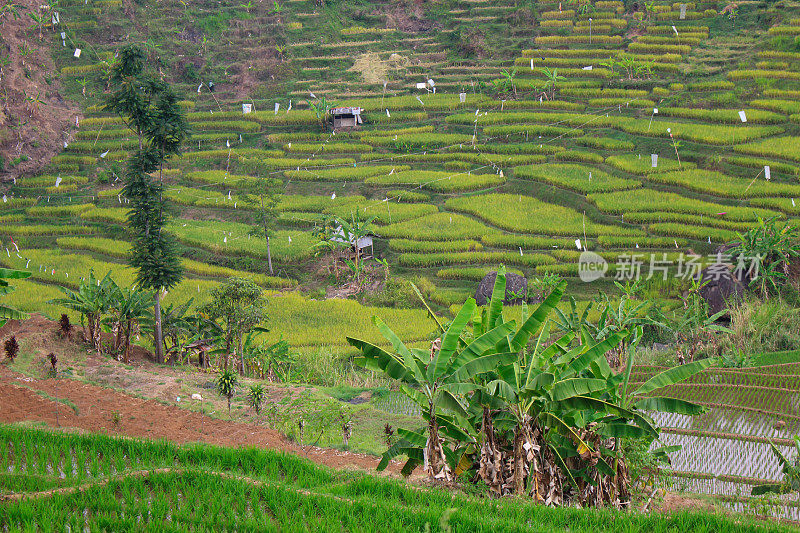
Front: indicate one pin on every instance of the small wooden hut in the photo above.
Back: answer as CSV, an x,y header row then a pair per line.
x,y
346,117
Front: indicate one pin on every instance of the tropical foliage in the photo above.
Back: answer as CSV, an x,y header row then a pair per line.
x,y
524,411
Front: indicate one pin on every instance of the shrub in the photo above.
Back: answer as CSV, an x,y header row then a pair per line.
x,y
11,348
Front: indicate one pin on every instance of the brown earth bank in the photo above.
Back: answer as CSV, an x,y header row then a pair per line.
x,y
26,399
34,118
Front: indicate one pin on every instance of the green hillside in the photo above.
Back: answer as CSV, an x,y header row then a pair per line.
x,y
537,129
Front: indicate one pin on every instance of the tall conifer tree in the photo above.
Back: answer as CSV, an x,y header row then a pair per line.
x,y
150,109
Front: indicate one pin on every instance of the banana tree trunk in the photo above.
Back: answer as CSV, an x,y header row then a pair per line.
x,y
490,467
159,343
128,328
520,460
435,464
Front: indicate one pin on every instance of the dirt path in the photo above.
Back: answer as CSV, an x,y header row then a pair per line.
x,y
28,399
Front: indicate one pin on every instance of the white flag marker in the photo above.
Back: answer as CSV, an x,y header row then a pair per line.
x,y
654,160
578,244
742,116
77,53
247,108
767,173
58,181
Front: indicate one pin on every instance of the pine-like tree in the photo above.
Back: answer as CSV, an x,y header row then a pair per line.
x,y
150,108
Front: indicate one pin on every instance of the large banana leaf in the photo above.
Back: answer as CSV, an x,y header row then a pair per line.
x,y
669,405
408,360
501,388
448,401
534,322
427,307
623,431
482,344
8,273
378,358
498,295
8,313
674,375
419,398
593,353
587,403
482,365
410,444
569,388
450,341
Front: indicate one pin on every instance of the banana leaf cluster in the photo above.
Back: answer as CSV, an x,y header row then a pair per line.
x,y
522,409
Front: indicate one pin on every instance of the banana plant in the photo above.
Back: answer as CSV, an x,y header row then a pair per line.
x,y
130,308
437,379
320,109
791,473
92,300
9,313
551,79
